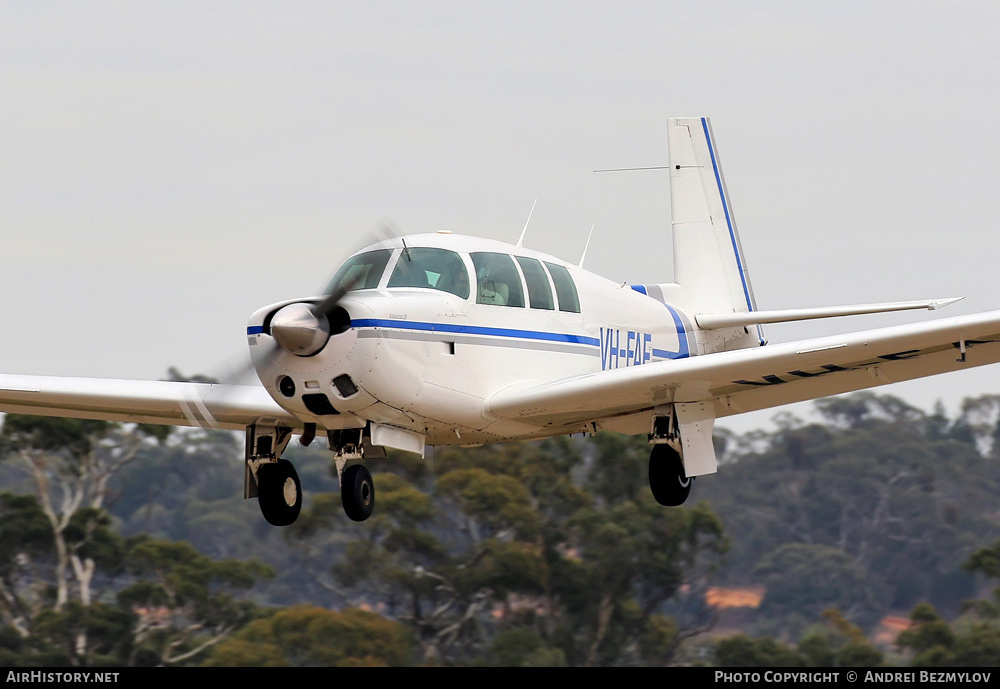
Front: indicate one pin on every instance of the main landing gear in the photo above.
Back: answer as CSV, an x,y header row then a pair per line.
x,y
670,485
668,479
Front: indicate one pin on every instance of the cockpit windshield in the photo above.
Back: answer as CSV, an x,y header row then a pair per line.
x,y
361,272
431,268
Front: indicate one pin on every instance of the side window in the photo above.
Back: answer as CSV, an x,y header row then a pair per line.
x,y
539,292
431,268
361,272
565,289
497,280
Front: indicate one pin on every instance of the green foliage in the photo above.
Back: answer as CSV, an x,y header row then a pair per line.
x,y
515,568
895,491
619,471
808,579
304,635
934,643
985,561
402,498
977,646
90,536
50,434
523,554
495,502
105,630
817,651
929,635
507,543
852,649
837,644
176,575
659,639
184,600
62,561
744,651
520,647
24,529
196,466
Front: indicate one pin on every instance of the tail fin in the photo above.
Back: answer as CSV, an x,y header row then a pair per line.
x,y
709,268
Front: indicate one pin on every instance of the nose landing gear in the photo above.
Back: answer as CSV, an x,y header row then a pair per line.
x,y
279,492
357,492
357,489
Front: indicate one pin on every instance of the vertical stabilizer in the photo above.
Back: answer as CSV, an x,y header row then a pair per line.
x,y
709,268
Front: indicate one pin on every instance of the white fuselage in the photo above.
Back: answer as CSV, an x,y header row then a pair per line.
x,y
428,360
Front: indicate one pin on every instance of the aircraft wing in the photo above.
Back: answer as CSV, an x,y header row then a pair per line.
x,y
207,405
751,379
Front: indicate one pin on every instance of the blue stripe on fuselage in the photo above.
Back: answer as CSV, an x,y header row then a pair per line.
x,y
475,330
683,351
683,347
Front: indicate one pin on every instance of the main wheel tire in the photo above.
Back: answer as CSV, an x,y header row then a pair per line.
x,y
667,480
357,492
279,492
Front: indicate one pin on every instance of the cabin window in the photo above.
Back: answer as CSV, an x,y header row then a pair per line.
x,y
539,292
431,268
565,289
497,280
361,272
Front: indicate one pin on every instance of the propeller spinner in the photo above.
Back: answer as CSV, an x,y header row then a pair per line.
x,y
303,329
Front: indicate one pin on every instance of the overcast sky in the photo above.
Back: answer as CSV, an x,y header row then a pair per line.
x,y
166,168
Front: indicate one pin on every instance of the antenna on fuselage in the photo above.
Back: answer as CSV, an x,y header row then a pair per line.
x,y
520,240
585,246
386,230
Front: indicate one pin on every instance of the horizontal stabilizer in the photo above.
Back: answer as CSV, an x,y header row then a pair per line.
x,y
712,321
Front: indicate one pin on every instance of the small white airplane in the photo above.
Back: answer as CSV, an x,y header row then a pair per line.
x,y
444,339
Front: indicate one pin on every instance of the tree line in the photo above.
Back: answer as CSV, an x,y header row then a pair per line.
x,y
126,545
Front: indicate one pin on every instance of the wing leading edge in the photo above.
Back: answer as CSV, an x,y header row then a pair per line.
x,y
232,407
751,379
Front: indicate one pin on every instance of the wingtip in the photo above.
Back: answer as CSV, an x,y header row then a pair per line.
x,y
936,304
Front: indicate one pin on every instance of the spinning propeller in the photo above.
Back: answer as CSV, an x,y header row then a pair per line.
x,y
301,328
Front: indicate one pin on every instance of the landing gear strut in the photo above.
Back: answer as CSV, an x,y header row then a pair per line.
x,y
667,480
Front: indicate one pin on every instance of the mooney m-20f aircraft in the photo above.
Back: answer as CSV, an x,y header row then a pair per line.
x,y
444,339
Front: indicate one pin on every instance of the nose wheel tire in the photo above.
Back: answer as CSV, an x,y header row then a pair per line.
x,y
279,492
357,492
667,480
